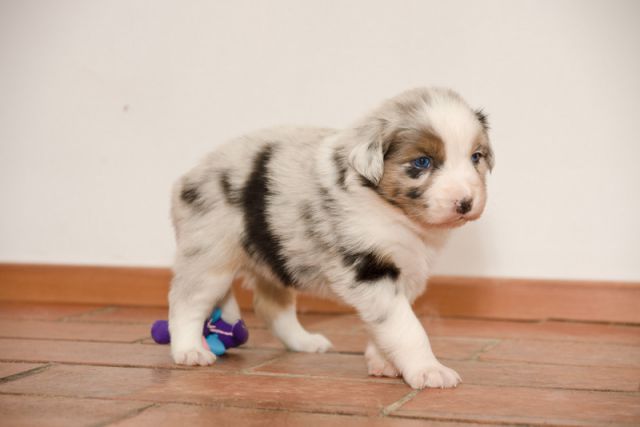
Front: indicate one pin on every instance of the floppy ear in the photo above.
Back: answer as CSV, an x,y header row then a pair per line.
x,y
483,118
367,155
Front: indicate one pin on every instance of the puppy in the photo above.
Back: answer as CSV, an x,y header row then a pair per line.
x,y
358,214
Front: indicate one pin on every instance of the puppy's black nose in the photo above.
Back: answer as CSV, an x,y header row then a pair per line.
x,y
464,206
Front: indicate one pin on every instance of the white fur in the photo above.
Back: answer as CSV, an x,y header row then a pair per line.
x,y
290,209
289,330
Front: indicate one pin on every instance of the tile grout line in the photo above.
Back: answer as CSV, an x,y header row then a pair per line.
x,y
253,350
5,337
485,348
562,340
232,405
127,416
250,370
368,379
387,410
79,316
26,373
489,345
593,322
79,319
533,321
482,318
496,422
384,412
256,348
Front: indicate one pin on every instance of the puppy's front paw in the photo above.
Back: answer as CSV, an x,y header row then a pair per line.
x,y
193,357
434,375
310,343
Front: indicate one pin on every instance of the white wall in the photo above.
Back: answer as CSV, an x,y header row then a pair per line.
x,y
104,103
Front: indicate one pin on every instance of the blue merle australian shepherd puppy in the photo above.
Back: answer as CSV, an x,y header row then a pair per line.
x,y
357,214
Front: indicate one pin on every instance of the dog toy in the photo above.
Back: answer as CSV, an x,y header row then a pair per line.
x,y
217,334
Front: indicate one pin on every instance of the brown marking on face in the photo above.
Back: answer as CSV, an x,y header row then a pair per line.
x,y
409,144
401,184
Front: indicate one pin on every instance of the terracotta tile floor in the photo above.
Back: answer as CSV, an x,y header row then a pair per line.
x,y
89,365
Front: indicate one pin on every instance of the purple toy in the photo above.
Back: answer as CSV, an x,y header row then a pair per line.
x,y
160,332
219,334
230,335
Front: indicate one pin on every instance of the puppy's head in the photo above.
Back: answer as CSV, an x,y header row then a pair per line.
x,y
427,152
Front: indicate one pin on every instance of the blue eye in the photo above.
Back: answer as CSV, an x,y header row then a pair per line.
x,y
423,162
475,157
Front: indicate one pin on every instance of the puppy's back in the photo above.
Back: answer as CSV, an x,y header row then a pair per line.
x,y
234,182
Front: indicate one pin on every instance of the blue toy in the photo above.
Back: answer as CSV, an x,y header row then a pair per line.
x,y
217,334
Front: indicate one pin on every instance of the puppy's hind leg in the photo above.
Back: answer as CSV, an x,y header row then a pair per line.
x,y
377,364
276,305
192,297
230,309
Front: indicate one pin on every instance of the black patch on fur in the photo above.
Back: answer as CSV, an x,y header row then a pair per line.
x,y
328,202
483,119
259,240
341,167
414,193
368,266
231,195
366,183
192,196
414,173
189,194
